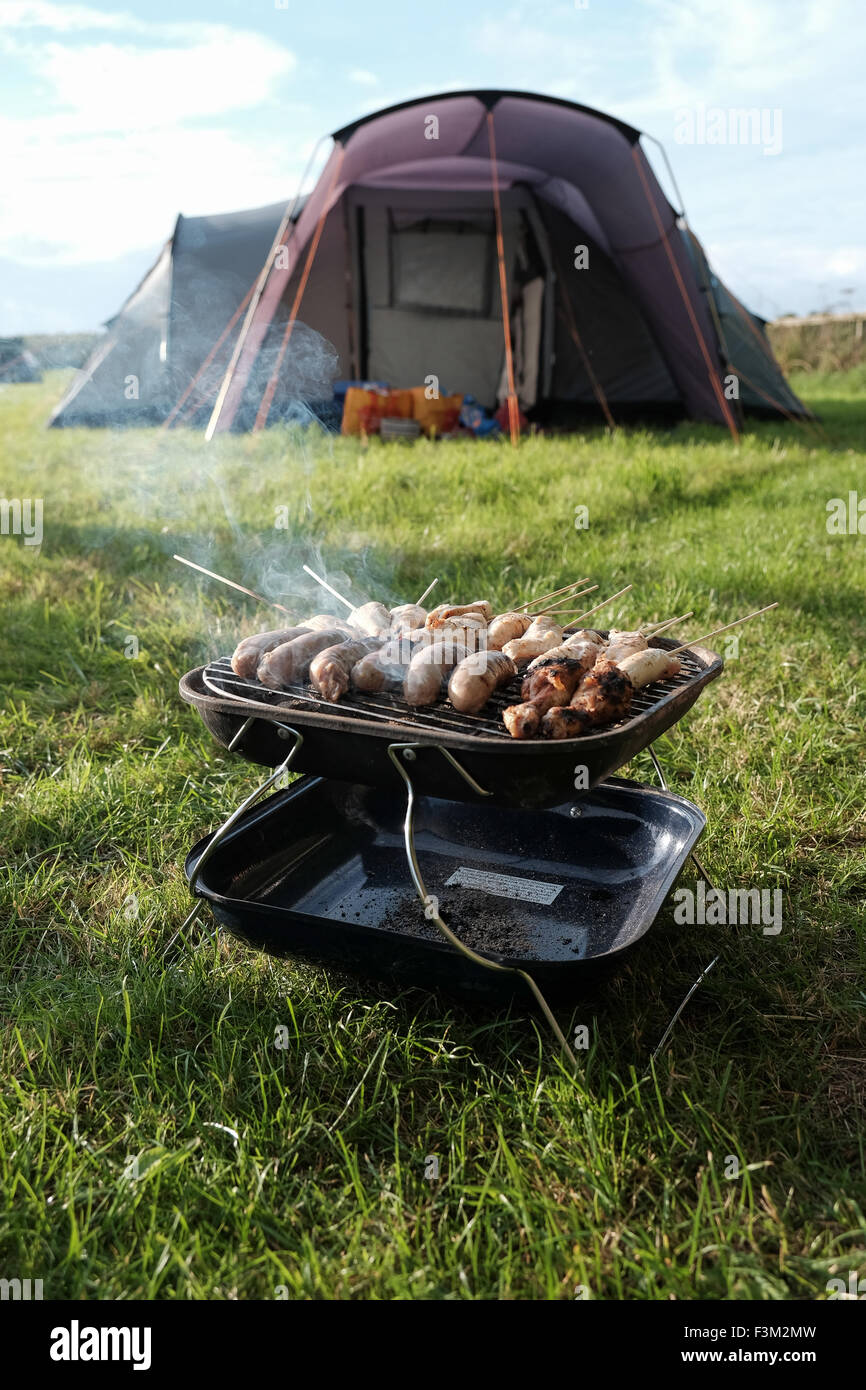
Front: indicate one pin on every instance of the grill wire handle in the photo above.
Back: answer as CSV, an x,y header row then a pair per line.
x,y
219,835
409,754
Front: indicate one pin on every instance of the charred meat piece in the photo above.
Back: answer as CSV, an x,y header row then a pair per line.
x,y
289,663
331,669
250,650
604,695
543,689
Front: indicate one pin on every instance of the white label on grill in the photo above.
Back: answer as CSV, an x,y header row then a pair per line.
x,y
529,890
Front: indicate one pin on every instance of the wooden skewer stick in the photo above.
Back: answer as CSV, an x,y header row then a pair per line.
x,y
653,629
250,593
427,590
325,585
545,598
606,601
717,630
558,607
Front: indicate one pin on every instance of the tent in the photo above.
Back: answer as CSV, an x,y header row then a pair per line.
x,y
514,247
163,332
17,362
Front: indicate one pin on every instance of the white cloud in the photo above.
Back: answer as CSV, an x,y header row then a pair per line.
x,y
130,129
363,77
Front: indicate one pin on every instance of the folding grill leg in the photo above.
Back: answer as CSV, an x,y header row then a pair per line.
x,y
218,837
707,968
400,754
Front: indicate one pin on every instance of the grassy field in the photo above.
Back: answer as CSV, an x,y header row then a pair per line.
x,y
304,1168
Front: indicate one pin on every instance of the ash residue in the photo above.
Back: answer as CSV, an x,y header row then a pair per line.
x,y
477,918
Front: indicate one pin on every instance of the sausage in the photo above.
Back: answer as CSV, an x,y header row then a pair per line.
x,y
475,678
326,622
371,618
407,616
429,667
331,669
505,627
386,668
250,650
288,664
436,617
654,664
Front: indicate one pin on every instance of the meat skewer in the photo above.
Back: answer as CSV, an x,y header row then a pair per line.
x,y
606,693
330,670
371,618
474,679
407,616
542,634
544,688
437,616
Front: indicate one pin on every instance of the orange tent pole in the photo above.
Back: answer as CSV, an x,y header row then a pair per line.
x,y
716,385
166,424
270,389
513,407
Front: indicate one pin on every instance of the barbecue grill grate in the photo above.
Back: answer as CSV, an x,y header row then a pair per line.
x,y
221,680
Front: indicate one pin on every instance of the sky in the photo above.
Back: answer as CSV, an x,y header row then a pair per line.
x,y
116,117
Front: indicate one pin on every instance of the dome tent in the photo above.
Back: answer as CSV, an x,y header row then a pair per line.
x,y
429,215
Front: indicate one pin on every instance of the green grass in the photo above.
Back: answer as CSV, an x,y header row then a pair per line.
x,y
616,1181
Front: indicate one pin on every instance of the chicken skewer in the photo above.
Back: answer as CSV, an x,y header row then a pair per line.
x,y
606,692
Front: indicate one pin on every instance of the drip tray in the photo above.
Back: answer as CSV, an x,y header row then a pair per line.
x,y
319,873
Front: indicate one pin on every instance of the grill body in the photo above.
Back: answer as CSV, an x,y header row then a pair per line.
x,y
349,740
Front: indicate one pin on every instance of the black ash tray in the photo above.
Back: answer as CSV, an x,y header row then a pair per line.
x,y
319,873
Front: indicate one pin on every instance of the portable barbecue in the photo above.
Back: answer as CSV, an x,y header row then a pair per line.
x,y
541,866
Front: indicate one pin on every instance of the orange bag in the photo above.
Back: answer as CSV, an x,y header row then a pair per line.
x,y
365,410
436,416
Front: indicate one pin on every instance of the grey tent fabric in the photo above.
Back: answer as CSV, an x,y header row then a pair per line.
x,y
159,338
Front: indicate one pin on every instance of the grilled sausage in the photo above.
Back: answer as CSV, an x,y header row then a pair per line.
x,y
250,650
386,668
428,669
475,678
326,622
407,616
288,664
330,670
587,652
371,618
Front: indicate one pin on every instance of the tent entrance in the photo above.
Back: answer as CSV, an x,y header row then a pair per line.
x,y
427,300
